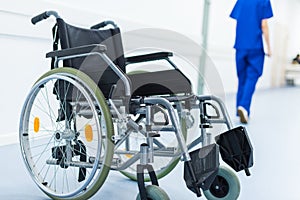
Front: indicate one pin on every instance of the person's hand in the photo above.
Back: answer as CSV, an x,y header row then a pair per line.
x,y
269,52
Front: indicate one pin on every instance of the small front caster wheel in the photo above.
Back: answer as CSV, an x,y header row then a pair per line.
x,y
226,186
154,192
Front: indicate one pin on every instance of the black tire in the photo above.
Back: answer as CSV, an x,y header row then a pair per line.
x,y
154,192
226,186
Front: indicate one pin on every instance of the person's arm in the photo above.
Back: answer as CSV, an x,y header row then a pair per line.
x,y
265,30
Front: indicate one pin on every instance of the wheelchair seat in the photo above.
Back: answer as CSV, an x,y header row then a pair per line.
x,y
167,82
159,83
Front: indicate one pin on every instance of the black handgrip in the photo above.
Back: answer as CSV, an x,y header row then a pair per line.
x,y
103,24
39,17
43,16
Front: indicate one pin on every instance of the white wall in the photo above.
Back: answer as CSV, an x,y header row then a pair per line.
x,y
23,46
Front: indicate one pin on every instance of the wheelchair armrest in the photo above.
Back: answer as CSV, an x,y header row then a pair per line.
x,y
148,57
77,50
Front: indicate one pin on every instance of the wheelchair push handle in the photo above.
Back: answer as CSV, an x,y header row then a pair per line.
x,y
43,16
103,24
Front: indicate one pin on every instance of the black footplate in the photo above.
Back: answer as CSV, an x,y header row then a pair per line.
x,y
205,164
236,149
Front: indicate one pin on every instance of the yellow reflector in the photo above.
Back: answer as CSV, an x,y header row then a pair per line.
x,y
88,133
128,155
36,124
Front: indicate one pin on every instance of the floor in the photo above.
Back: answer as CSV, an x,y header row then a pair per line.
x,y
274,130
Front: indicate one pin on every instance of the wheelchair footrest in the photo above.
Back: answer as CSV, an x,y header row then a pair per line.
x,y
205,165
236,149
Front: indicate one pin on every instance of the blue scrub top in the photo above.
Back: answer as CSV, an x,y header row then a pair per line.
x,y
249,14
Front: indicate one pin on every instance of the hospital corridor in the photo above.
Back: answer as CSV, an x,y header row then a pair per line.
x,y
150,100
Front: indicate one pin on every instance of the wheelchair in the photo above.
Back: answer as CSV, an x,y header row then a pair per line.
x,y
88,117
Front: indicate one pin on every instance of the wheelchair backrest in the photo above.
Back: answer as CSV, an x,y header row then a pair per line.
x,y
71,36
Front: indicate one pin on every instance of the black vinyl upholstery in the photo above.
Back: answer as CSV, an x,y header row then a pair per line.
x,y
143,84
159,83
71,36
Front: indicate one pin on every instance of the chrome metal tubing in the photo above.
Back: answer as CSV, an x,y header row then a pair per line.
x,y
175,121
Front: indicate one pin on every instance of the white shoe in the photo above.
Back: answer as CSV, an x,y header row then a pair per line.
x,y
242,112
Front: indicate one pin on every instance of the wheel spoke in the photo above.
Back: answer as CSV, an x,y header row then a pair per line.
x,y
54,143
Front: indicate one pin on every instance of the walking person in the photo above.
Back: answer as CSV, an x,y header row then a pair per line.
x,y
251,17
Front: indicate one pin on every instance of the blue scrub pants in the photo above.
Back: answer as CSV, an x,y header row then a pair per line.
x,y
249,65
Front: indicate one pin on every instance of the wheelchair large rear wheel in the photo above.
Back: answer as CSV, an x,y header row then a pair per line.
x,y
65,135
166,151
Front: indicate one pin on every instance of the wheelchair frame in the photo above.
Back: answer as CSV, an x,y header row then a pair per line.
x,y
176,119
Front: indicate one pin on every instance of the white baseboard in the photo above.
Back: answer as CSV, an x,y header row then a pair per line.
x,y
9,138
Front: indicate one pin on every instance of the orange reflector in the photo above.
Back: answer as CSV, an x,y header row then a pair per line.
x,y
128,155
88,133
36,124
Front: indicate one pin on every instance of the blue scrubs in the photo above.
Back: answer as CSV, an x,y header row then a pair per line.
x,y
249,46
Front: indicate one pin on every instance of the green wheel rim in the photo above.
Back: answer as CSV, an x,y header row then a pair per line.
x,y
83,78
